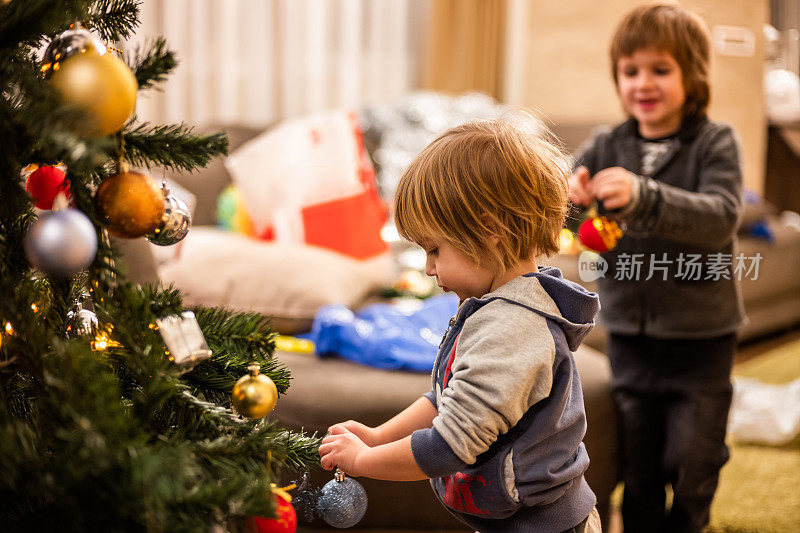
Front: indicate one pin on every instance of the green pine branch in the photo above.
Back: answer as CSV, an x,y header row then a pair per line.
x,y
285,448
26,23
151,63
174,147
114,20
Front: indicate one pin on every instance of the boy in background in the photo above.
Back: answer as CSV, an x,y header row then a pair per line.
x,y
673,177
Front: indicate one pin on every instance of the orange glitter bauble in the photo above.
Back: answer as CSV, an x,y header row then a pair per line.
x,y
130,203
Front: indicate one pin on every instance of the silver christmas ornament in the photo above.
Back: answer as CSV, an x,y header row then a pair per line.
x,y
175,222
342,502
75,40
61,243
81,323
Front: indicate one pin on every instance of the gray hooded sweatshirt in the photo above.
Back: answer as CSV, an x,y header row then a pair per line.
x,y
505,452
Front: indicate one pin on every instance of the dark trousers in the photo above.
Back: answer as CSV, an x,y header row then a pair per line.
x,y
672,398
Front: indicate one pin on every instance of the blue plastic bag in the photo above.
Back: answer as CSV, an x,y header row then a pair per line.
x,y
384,335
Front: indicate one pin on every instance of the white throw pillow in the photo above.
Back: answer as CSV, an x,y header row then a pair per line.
x,y
288,281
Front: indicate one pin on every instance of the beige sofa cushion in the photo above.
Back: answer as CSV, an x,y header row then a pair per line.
x,y
288,281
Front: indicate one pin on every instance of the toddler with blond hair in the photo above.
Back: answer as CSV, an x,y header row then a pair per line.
x,y
500,432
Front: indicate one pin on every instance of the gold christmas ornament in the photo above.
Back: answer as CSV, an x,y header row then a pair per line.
x,y
101,85
130,203
254,395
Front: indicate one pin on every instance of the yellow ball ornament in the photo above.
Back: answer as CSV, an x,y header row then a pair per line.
x,y
130,203
101,85
254,395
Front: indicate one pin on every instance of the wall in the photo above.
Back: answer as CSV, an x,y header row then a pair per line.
x,y
557,62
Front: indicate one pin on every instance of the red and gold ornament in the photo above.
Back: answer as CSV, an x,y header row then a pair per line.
x,y
285,520
44,183
599,233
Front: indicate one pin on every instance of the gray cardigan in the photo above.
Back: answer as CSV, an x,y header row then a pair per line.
x,y
688,209
505,452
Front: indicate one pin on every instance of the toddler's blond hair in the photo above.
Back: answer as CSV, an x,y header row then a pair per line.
x,y
487,178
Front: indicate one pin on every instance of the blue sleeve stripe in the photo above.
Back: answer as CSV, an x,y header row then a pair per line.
x,y
433,455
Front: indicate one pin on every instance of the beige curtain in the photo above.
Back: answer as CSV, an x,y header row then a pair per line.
x,y
464,46
253,62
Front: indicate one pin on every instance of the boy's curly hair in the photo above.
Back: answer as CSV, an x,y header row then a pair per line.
x,y
485,180
669,27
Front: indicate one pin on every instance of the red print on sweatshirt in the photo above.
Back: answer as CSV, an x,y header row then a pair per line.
x,y
457,494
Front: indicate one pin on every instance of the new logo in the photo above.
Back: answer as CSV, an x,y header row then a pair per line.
x,y
591,266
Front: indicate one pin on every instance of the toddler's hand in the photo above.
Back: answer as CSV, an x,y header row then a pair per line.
x,y
367,434
580,188
342,449
613,186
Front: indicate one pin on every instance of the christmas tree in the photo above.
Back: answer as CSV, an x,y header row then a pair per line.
x,y
101,427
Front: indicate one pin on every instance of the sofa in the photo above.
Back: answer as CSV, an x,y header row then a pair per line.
x,y
771,300
213,267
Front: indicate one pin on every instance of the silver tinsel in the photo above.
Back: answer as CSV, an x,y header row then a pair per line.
x,y
342,502
61,243
175,222
396,133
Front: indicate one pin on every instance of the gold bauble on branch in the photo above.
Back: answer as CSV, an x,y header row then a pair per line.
x,y
130,203
254,395
101,85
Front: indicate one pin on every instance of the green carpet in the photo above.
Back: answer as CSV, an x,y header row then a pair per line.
x,y
759,488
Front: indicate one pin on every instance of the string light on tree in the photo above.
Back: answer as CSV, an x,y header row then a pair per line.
x,y
102,339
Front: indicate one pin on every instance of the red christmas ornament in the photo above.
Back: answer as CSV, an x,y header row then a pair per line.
x,y
599,234
285,520
45,183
